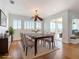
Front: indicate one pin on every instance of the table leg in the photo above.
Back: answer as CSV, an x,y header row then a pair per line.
x,y
52,41
35,47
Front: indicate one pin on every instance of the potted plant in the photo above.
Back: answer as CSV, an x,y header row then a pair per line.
x,y
11,32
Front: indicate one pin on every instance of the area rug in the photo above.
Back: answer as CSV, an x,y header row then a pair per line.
x,y
41,51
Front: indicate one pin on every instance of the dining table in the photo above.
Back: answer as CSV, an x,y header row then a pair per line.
x,y
37,37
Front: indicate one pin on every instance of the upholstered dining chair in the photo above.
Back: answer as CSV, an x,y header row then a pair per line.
x,y
22,40
49,41
28,38
27,42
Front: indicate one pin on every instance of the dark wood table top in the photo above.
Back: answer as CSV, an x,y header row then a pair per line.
x,y
38,36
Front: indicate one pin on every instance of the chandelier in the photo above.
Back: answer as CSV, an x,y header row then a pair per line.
x,y
36,17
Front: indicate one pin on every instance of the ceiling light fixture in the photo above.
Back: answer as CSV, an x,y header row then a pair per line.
x,y
12,2
36,17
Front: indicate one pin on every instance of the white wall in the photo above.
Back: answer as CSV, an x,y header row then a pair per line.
x,y
3,8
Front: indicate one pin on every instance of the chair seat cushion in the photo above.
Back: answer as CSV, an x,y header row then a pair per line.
x,y
29,43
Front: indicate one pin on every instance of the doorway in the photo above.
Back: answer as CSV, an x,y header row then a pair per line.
x,y
57,27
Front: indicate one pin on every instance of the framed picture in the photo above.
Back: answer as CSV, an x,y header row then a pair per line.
x,y
3,19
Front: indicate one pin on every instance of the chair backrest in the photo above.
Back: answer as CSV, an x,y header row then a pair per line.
x,y
28,37
21,35
22,39
26,40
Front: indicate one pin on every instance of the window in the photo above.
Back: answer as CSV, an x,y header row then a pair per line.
x,y
30,25
59,26
38,25
52,27
16,24
56,25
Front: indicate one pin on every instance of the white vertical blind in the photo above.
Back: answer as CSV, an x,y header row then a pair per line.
x,y
27,24
30,25
16,24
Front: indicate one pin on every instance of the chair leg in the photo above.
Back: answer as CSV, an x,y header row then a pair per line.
x,y
44,43
49,45
54,43
41,42
26,50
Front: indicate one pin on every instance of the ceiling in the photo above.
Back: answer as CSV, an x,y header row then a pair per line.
x,y
45,7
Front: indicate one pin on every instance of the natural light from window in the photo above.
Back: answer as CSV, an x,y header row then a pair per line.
x,y
16,24
56,25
